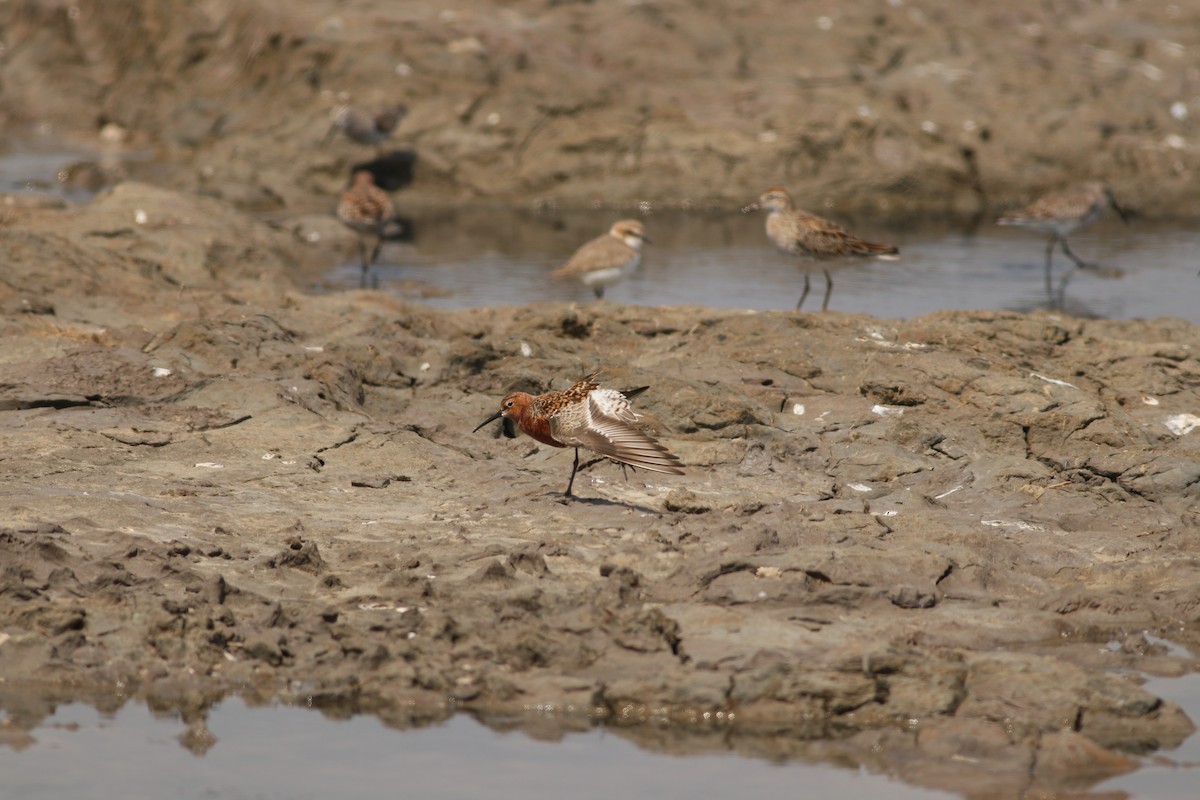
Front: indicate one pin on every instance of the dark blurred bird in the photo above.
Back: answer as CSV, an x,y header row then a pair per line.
x,y
803,234
365,127
1063,212
368,211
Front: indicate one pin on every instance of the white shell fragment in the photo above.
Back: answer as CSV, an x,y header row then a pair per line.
x,y
1182,424
1054,381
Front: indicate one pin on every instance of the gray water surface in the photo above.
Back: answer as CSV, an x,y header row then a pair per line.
x,y
288,752
1148,269
292,752
1174,775
499,256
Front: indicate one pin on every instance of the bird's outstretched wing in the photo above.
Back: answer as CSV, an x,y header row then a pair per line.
x,y
608,431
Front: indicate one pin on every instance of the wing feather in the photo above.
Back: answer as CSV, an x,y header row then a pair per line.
x,y
607,429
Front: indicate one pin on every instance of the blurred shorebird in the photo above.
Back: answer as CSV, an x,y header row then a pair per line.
x,y
365,127
588,416
606,259
368,211
803,234
1063,212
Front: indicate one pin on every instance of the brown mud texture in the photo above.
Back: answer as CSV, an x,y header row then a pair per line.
x,y
898,108
945,547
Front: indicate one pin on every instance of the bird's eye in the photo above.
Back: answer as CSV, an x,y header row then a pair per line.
x,y
508,403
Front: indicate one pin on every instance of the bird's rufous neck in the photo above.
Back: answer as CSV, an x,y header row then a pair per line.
x,y
539,428
519,407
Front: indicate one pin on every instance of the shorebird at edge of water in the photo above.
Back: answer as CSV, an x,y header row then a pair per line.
x,y
588,416
1063,212
368,211
606,259
803,234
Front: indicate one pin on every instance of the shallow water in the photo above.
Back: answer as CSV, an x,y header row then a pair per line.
x,y
289,752
1173,775
497,256
282,751
38,165
1149,269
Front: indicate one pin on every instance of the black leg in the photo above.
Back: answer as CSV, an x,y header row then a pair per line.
x,y
804,293
1050,267
362,253
375,250
574,469
599,290
1079,262
828,290
589,464
624,467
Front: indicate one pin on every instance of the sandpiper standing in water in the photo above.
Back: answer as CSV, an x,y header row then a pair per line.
x,y
591,417
803,234
366,127
606,259
1063,212
368,211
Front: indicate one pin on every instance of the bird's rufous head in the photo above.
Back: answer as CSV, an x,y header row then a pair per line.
x,y
512,407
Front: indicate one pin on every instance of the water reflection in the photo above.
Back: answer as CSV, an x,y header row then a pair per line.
x,y
38,165
1172,775
478,257
291,752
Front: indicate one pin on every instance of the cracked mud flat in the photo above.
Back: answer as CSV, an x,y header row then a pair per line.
x,y
943,547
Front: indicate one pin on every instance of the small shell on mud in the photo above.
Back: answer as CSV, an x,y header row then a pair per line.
x,y
1182,424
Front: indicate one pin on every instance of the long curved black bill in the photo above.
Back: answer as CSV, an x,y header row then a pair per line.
x,y
492,418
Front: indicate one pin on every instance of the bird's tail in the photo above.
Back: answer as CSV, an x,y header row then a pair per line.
x,y
888,252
